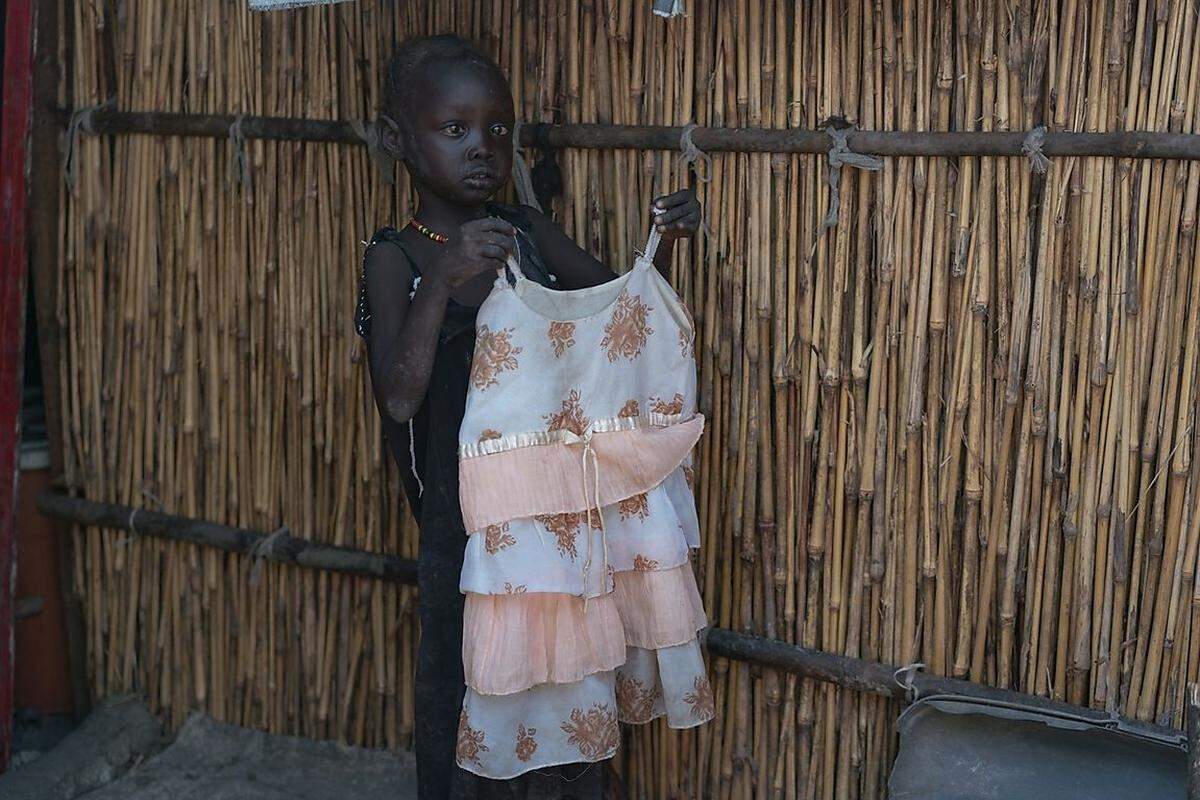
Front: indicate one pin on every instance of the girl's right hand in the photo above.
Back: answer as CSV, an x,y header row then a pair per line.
x,y
481,245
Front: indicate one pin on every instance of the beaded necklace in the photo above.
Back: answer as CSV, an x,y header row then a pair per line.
x,y
424,230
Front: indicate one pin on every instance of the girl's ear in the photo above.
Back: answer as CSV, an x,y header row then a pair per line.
x,y
390,139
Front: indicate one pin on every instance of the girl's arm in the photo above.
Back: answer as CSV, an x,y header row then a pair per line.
x,y
676,215
403,339
574,267
404,333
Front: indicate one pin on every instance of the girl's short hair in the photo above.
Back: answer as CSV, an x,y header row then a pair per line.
x,y
401,80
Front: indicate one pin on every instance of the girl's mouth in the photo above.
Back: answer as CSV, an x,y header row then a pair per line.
x,y
481,180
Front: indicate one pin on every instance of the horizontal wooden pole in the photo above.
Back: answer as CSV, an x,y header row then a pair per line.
x,y
1125,144
110,121
851,673
1120,144
223,537
886,680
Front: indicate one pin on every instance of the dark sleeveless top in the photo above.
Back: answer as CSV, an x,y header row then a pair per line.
x,y
431,483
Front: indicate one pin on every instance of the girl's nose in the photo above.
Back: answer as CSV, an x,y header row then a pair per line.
x,y
481,150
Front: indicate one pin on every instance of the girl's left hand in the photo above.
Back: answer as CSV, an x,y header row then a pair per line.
x,y
677,216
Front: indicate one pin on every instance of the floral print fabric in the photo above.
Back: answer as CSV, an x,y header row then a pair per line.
x,y
582,609
547,554
628,329
501,736
533,373
494,354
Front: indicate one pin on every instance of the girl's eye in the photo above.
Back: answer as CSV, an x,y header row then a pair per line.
x,y
454,129
500,129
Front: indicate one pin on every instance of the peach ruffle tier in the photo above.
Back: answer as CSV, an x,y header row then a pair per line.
x,y
555,479
516,641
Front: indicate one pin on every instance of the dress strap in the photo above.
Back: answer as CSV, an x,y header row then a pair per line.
x,y
652,244
512,265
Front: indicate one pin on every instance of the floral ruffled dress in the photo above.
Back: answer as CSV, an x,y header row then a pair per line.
x,y
575,484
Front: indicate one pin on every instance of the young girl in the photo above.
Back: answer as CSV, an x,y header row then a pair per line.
x,y
448,116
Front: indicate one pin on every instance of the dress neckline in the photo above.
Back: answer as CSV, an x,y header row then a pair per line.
x,y
644,262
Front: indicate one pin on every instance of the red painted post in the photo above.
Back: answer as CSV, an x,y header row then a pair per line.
x,y
15,118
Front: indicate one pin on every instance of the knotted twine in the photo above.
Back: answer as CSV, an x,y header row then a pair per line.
x,y
841,155
133,512
1032,147
692,154
522,177
904,679
82,121
368,133
270,547
239,165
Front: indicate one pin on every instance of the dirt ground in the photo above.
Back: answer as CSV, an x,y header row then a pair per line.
x,y
120,752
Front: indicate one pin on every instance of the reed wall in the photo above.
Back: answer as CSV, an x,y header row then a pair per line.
x,y
956,428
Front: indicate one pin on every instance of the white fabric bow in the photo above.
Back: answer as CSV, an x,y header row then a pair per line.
x,y
593,503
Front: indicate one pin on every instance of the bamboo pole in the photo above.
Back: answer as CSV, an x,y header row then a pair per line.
x,y
608,136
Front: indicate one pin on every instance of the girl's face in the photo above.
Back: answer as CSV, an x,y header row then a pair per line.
x,y
460,135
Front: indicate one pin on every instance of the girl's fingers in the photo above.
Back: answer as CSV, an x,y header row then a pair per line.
x,y
675,214
493,225
493,251
672,200
498,239
685,226
686,215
